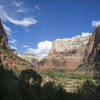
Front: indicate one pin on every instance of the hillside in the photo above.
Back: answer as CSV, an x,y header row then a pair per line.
x,y
8,57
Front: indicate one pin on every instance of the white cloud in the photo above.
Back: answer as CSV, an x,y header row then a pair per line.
x,y
25,46
25,22
42,49
37,7
21,11
13,41
13,47
84,34
18,4
7,29
96,23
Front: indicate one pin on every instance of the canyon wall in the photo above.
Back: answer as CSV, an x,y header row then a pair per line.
x,y
92,53
67,53
3,38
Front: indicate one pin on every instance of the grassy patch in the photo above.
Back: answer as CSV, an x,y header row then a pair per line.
x,y
68,80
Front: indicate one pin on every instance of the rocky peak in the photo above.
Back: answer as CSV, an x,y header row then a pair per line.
x,y
3,38
66,53
68,45
92,54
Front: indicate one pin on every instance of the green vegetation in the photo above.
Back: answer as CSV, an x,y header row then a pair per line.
x,y
59,74
27,86
67,80
11,59
86,67
89,90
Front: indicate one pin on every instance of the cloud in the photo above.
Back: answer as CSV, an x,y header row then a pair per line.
x,y
21,11
42,49
96,23
25,22
13,41
18,4
13,47
37,7
84,34
7,29
25,46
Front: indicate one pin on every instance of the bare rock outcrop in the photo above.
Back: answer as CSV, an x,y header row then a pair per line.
x,y
92,54
66,53
3,38
8,57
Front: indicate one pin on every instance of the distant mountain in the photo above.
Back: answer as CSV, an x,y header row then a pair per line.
x,y
67,53
31,58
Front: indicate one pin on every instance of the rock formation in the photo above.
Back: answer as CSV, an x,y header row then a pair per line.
x,y
66,53
8,57
31,58
92,54
3,38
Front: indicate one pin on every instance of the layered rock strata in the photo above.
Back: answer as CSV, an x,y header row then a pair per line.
x,y
66,53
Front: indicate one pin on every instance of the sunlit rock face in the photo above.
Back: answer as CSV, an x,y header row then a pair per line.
x,y
67,53
92,54
3,38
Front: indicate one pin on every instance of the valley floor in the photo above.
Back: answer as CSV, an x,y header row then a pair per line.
x,y
70,81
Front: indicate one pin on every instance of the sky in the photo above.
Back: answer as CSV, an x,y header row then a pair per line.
x,y
33,25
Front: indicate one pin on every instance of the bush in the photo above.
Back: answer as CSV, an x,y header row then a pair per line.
x,y
88,91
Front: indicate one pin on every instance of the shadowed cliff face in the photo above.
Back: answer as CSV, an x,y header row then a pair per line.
x,y
92,54
66,53
3,38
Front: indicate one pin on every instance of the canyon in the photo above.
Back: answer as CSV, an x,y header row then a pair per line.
x,y
67,53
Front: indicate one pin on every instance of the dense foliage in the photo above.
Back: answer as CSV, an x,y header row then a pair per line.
x,y
27,86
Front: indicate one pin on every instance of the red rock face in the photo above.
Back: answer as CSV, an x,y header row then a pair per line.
x,y
8,57
92,53
3,38
61,63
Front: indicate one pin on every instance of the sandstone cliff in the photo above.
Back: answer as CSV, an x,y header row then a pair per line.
x,y
8,57
66,53
92,54
3,38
